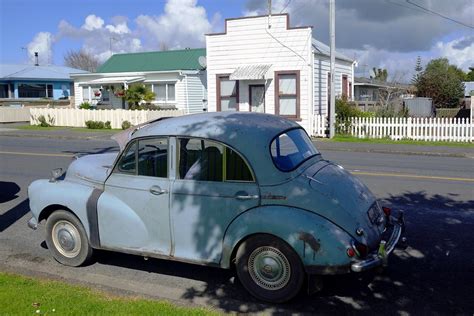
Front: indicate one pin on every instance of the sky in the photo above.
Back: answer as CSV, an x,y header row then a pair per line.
x,y
377,33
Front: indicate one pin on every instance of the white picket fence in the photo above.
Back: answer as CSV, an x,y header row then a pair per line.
x,y
320,125
428,129
78,117
10,115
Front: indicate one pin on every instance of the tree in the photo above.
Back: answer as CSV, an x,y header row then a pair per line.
x,y
442,82
137,94
81,60
470,74
418,70
380,74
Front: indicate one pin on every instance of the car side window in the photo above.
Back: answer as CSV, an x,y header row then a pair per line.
x,y
153,157
127,163
236,168
200,160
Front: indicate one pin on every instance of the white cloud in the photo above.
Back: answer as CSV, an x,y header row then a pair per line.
x,y
463,57
93,22
183,24
42,44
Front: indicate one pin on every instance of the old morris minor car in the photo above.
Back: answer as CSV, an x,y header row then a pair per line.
x,y
232,189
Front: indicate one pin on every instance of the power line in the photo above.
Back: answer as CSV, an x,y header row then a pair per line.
x,y
285,6
439,14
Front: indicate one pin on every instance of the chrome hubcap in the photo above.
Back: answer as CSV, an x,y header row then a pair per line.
x,y
66,238
269,268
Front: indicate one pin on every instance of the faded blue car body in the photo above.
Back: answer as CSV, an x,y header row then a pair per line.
x,y
319,209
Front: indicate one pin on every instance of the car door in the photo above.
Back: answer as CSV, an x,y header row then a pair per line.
x,y
133,211
213,185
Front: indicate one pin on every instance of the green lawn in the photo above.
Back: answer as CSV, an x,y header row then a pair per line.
x,y
21,295
352,139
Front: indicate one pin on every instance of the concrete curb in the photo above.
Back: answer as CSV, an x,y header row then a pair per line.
x,y
400,152
50,136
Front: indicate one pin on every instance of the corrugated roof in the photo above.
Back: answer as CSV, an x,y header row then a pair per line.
x,y
10,72
186,59
326,50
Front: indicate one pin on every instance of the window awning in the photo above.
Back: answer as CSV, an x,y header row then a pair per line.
x,y
111,80
250,72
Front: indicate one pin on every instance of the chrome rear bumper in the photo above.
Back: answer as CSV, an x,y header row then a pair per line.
x,y
375,260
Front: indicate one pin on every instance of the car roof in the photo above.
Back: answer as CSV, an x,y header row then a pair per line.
x,y
249,133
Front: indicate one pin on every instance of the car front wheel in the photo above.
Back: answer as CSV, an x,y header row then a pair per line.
x,y
269,268
67,239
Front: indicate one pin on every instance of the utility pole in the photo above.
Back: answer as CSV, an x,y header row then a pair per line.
x,y
332,37
269,12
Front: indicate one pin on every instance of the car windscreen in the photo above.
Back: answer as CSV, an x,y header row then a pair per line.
x,y
290,149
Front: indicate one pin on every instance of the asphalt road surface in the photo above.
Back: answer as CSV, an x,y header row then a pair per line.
x,y
434,273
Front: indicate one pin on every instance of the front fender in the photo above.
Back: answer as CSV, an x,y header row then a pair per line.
x,y
320,244
73,196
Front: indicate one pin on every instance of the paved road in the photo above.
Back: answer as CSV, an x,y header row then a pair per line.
x,y
435,273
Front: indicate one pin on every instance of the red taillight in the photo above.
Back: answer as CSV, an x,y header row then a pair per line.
x,y
361,249
350,252
386,210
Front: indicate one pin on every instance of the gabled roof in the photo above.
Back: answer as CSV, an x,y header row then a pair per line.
x,y
324,49
185,59
32,72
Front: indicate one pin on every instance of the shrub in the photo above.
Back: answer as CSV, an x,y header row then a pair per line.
x,y
95,124
344,111
391,111
43,122
126,125
85,106
107,125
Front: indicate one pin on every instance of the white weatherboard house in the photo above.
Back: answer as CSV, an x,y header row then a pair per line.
x,y
262,64
177,77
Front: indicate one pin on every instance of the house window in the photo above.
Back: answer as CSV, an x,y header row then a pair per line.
x,y
85,94
287,93
227,94
32,90
164,92
3,90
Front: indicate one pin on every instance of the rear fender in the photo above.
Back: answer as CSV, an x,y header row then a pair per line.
x,y
319,243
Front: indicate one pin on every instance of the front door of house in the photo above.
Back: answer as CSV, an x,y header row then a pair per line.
x,y
257,98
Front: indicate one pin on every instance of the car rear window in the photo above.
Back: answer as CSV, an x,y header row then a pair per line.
x,y
291,149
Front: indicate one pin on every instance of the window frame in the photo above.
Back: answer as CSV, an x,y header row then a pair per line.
x,y
297,116
219,96
48,87
318,153
166,84
136,141
224,164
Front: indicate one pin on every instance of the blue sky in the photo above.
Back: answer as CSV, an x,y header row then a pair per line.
x,y
389,34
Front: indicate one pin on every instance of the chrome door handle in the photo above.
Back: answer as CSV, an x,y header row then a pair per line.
x,y
246,197
156,190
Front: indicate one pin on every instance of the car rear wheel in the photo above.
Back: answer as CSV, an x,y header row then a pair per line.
x,y
67,239
269,269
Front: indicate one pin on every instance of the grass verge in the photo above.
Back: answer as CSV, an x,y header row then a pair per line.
x,y
352,139
23,295
57,128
